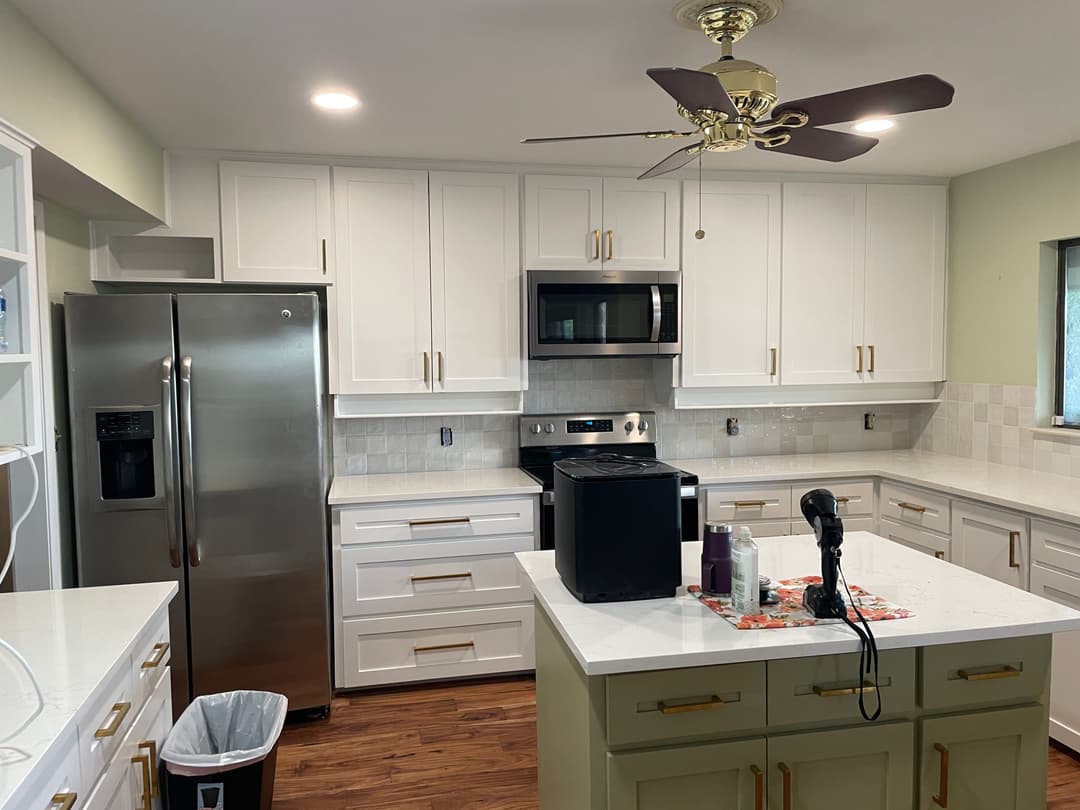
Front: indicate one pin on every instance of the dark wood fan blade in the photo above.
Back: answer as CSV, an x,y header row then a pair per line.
x,y
676,160
823,144
694,89
924,92
668,133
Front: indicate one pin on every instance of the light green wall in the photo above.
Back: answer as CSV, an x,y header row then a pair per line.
x,y
45,96
67,251
999,280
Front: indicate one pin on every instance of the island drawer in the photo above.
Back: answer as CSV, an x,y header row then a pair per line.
x,y
741,504
918,507
683,703
822,688
151,657
1011,670
1055,545
103,727
913,537
853,498
59,781
432,520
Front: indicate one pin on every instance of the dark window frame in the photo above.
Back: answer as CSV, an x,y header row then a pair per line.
x,y
1059,370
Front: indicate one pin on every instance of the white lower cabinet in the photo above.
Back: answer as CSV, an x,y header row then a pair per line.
x,y
62,787
935,545
993,542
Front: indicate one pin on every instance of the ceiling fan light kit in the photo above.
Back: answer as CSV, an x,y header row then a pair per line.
x,y
733,102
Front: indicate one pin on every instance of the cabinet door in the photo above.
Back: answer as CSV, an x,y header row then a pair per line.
x,y
1064,589
731,284
380,313
275,223
641,224
824,264
728,775
868,767
475,282
563,222
984,761
905,283
992,542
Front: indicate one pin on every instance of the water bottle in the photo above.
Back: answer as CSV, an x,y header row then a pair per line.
x,y
745,588
3,322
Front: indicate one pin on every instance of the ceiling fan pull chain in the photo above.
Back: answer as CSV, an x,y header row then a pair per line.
x,y
699,233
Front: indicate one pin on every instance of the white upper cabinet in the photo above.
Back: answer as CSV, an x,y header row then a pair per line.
x,y
575,223
475,282
380,305
275,223
731,285
824,271
905,282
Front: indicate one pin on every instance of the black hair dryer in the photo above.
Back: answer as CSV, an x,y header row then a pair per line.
x,y
819,508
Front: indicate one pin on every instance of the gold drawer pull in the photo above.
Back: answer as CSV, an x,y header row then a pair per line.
x,y
942,799
842,499
911,507
786,771
156,657
440,521
151,746
759,787
867,687
1014,538
117,714
996,675
433,577
427,368
610,245
63,801
147,797
873,358
464,645
750,504
939,555
774,367
714,702
596,244
858,352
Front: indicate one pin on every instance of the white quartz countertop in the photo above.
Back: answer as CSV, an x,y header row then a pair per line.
x,y
71,639
1045,494
951,605
350,489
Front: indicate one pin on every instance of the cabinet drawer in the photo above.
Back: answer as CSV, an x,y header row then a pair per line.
x,y
918,507
984,672
767,528
60,780
852,497
151,657
1056,545
103,728
434,583
430,520
820,689
456,644
913,537
680,703
742,504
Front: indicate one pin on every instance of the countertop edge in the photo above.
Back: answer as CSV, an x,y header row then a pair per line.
x,y
489,492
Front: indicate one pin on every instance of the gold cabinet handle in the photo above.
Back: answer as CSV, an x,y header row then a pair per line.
x,y
151,747
1014,538
156,656
939,555
324,257
596,244
63,801
147,796
873,357
942,799
116,717
774,364
995,675
713,702
440,521
750,504
759,787
842,499
434,577
858,353
427,368
786,771
464,645
911,507
821,691
610,245
440,354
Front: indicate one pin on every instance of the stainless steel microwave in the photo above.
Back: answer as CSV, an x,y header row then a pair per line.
x,y
599,313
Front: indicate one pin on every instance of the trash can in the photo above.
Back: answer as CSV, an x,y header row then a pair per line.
x,y
221,753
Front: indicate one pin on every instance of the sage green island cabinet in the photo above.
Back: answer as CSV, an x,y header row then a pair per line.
x,y
661,704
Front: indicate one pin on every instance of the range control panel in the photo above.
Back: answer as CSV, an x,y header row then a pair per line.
x,y
114,425
549,430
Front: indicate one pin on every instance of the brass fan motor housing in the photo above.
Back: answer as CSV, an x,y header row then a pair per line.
x,y
751,86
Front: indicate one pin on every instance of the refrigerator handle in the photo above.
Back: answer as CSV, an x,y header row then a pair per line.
x,y
168,430
187,468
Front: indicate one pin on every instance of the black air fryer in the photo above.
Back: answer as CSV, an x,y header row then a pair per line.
x,y
618,528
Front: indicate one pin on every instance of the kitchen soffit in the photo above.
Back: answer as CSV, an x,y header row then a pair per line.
x,y
465,80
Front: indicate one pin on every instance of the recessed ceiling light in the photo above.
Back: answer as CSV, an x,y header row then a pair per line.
x,y
335,100
875,125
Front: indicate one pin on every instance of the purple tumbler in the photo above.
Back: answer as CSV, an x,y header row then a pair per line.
x,y
716,559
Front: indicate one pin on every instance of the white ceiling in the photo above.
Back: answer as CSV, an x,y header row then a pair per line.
x,y
465,79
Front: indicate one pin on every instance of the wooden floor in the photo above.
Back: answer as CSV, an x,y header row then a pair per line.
x,y
452,747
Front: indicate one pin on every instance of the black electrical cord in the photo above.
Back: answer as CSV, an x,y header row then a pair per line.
x,y
868,651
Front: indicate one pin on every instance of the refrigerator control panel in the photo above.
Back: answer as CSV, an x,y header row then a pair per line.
x,y
115,425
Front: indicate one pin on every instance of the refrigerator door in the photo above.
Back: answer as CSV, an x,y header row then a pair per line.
x,y
253,474
121,380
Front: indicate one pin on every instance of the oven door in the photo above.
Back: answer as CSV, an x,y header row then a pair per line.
x,y
598,314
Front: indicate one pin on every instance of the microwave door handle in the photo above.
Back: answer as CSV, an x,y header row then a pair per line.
x,y
657,314
168,430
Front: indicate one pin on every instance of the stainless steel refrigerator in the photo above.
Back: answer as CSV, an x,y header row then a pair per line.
x,y
198,447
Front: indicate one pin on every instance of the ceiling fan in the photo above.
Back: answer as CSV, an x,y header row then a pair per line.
x,y
733,102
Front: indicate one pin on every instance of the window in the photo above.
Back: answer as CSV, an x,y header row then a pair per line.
x,y
1068,356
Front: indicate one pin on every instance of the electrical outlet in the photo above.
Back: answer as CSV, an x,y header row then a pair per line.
x,y
732,426
446,436
869,420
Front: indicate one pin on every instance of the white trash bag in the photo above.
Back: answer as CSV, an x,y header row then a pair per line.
x,y
219,733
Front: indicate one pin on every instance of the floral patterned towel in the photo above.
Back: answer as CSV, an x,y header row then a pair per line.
x,y
790,611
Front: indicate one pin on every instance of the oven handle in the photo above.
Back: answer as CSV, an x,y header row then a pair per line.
x,y
657,314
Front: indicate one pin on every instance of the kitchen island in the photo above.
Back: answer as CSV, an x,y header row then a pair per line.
x,y
663,704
